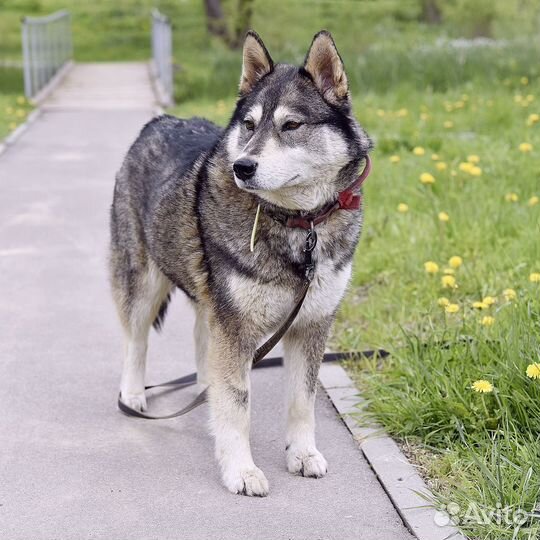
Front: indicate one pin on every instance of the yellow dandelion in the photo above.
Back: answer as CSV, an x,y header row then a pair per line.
x,y
488,320
489,300
533,201
448,282
441,166
448,124
443,301
21,100
466,166
482,386
10,111
455,261
475,171
435,157
444,217
451,308
511,197
424,116
530,98
533,119
418,151
427,178
534,277
459,104
20,113
12,125
473,158
402,112
533,370
525,147
431,267
518,98
395,159
524,81
381,112
479,305
402,208
509,294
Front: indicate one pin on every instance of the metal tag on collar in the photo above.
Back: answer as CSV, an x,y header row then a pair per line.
x,y
309,246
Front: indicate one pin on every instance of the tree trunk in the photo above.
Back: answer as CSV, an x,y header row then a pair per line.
x,y
215,19
243,21
431,12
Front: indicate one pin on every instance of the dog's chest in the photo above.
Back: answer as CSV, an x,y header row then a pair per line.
x,y
267,304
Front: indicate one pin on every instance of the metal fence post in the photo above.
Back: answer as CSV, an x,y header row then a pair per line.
x,y
47,47
162,60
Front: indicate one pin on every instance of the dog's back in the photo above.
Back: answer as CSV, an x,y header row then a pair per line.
x,y
165,150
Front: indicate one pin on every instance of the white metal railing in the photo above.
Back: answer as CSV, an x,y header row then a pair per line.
x,y
162,58
47,47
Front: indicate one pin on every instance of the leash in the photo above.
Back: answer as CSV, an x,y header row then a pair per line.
x,y
347,200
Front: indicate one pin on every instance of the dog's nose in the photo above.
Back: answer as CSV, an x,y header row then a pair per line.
x,y
244,168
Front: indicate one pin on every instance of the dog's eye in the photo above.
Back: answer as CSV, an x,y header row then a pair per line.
x,y
249,125
290,126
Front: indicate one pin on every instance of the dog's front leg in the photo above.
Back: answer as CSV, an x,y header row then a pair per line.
x,y
304,349
229,363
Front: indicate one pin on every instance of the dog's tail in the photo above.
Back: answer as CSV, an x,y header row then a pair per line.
x,y
160,318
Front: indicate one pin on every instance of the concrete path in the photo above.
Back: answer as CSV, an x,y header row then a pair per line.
x,y
71,465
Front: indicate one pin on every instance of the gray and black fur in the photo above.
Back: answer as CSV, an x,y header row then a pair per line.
x,y
182,215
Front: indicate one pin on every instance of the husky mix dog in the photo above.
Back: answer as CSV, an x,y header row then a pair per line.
x,y
182,216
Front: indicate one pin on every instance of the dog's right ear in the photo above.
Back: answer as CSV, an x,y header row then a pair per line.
x,y
256,62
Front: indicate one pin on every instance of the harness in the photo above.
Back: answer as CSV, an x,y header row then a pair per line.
x,y
348,199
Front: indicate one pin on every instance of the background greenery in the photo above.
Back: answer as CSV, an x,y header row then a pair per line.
x,y
467,86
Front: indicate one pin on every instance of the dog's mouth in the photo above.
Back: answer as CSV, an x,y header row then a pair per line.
x,y
252,186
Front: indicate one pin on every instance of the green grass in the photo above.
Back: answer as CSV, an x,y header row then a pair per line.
x,y
483,448
13,106
412,87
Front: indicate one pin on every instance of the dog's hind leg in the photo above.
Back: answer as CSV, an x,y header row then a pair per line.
x,y
229,398
139,307
304,350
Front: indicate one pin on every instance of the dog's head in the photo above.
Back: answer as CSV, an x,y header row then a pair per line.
x,y
293,134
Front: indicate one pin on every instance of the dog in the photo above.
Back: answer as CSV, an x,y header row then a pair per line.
x,y
182,216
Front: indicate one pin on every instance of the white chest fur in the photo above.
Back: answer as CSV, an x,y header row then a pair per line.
x,y
268,305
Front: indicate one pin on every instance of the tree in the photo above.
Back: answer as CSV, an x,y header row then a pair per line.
x,y
215,19
243,21
216,22
431,12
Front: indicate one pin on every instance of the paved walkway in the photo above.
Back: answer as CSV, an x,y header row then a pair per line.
x,y
72,466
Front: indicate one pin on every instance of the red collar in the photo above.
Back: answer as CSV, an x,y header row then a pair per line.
x,y
347,200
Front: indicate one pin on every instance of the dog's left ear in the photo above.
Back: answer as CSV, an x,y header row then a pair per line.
x,y
256,62
326,68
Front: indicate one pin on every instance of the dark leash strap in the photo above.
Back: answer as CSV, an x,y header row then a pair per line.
x,y
189,380
262,351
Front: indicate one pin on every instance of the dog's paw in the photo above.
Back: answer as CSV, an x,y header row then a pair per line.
x,y
307,462
251,482
135,401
